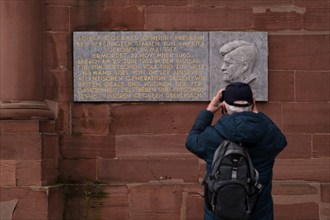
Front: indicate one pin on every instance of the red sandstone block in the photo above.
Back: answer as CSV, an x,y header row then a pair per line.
x,y
275,21
78,169
325,193
241,3
99,126
272,110
115,213
47,126
161,202
85,3
20,146
31,205
159,2
317,19
115,203
325,212
198,18
88,15
281,86
58,85
58,51
302,169
301,211
299,146
125,18
312,86
90,110
202,169
19,126
142,170
7,173
194,207
96,201
63,121
11,193
57,2
321,145
294,188
50,146
57,19
84,146
49,171
26,126
28,173
117,196
312,4
306,117
56,202
154,118
145,146
298,52
193,189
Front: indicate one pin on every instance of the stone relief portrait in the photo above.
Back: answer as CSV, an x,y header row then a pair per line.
x,y
239,57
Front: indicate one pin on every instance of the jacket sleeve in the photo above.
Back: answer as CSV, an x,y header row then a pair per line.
x,y
279,137
195,141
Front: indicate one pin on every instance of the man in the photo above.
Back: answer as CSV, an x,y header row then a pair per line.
x,y
242,123
239,59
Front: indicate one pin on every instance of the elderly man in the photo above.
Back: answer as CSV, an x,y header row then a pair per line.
x,y
241,123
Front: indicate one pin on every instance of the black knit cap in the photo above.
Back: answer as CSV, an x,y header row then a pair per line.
x,y
238,91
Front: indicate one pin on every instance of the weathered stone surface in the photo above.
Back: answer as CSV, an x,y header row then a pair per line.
x,y
310,83
78,170
199,18
299,52
321,145
155,145
294,188
87,146
281,86
153,118
303,211
159,202
299,146
306,117
142,170
298,169
325,193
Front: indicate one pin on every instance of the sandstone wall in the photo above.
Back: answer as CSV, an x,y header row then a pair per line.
x,y
128,160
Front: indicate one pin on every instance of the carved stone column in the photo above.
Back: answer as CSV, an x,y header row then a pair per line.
x,y
21,60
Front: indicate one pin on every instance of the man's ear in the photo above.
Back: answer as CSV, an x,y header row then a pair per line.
x,y
223,109
245,65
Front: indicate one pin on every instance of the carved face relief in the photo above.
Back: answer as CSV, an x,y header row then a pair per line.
x,y
233,67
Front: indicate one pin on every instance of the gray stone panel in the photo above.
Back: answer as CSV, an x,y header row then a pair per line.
x,y
141,66
259,40
161,66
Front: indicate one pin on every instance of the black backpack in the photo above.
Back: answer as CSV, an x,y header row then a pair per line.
x,y
232,187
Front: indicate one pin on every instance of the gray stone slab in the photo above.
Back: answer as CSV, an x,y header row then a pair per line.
x,y
238,47
164,66
141,66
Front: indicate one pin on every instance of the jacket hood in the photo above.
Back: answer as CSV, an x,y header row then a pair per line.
x,y
245,127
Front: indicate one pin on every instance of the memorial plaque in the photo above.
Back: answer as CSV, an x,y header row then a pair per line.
x,y
141,66
249,48
167,66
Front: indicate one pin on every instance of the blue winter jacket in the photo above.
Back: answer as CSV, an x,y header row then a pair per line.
x,y
256,131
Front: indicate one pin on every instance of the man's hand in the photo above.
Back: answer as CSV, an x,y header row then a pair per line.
x,y
215,104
